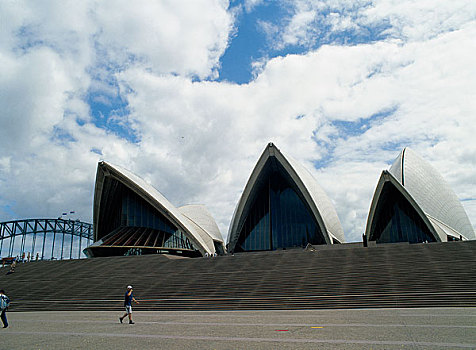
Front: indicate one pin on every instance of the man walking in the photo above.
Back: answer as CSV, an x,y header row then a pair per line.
x,y
128,299
4,303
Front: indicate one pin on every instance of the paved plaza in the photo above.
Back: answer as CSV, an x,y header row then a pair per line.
x,y
435,328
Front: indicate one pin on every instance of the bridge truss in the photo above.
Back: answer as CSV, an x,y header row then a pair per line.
x,y
44,238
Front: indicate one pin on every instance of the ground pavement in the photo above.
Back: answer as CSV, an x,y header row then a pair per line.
x,y
433,328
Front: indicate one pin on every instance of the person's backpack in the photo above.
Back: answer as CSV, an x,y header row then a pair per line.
x,y
4,302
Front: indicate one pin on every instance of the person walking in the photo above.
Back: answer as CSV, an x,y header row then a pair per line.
x,y
12,267
128,299
4,303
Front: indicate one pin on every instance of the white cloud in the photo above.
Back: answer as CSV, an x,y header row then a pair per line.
x,y
420,20
311,22
299,31
251,4
36,90
183,37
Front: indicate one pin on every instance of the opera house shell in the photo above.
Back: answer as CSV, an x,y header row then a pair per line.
x,y
413,203
282,206
131,217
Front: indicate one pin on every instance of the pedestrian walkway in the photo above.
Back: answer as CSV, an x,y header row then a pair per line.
x,y
432,328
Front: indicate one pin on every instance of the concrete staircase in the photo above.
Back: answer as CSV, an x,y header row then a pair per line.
x,y
390,275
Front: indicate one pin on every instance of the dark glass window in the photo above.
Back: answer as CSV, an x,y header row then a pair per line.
x,y
452,239
131,221
138,213
397,221
278,217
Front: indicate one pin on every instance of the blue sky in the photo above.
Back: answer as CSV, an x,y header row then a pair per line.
x,y
248,41
188,94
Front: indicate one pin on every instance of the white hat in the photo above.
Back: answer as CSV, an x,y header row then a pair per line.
x,y
129,287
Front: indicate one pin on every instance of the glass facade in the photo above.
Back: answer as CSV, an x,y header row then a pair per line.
x,y
130,221
278,217
397,221
138,213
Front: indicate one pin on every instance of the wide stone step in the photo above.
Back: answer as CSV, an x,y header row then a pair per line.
x,y
436,274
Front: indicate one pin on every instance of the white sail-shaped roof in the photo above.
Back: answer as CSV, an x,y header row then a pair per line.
x,y
190,224
432,193
200,215
315,197
429,194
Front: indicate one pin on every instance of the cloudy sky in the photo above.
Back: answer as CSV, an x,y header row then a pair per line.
x,y
187,94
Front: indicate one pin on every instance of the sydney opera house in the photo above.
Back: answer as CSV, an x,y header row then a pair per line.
x,y
130,217
413,203
282,206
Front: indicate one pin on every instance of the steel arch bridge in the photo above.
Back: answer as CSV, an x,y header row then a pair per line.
x,y
44,238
